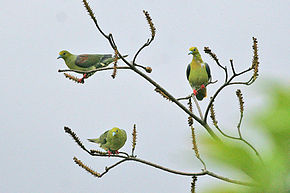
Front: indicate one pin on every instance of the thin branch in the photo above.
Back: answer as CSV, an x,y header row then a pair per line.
x,y
96,70
204,172
197,106
230,180
229,82
153,32
132,158
156,85
107,169
232,66
184,98
213,55
88,8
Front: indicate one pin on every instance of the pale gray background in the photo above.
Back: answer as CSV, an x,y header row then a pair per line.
x,y
37,101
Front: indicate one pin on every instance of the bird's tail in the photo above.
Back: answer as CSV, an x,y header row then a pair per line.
x,y
201,93
94,140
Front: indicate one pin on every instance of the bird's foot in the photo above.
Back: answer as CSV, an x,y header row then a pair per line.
x,y
81,80
194,92
116,152
202,86
109,153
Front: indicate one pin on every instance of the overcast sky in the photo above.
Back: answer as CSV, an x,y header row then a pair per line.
x,y
37,101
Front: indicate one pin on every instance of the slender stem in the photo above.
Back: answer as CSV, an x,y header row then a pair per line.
x,y
204,172
175,101
92,71
229,180
183,98
107,169
239,125
198,107
140,49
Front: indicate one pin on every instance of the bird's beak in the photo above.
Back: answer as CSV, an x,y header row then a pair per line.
x,y
114,133
59,57
190,53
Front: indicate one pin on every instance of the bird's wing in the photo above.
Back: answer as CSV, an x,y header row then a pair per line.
x,y
103,138
188,71
89,60
208,71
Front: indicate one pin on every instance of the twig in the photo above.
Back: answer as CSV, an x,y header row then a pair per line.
x,y
96,70
229,82
130,158
107,169
184,98
153,32
197,106
156,85
213,55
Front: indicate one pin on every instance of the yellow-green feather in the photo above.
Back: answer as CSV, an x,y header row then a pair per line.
x,y
198,74
109,142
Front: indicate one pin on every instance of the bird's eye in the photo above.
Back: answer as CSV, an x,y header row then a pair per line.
x,y
194,49
63,54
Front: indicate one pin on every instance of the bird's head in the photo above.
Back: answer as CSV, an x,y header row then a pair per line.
x,y
193,51
63,54
115,131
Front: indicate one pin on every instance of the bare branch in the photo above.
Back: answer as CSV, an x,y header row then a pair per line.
x,y
197,106
97,70
153,32
213,55
133,158
91,13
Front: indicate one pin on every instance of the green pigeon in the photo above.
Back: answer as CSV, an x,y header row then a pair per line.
x,y
198,74
85,62
112,140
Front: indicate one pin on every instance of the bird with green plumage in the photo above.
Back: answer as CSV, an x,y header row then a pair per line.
x,y
198,74
85,62
112,140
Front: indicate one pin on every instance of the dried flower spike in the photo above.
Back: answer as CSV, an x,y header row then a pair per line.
x,y
75,137
78,162
194,142
73,78
149,20
255,61
162,93
193,185
190,119
115,64
241,100
212,115
134,141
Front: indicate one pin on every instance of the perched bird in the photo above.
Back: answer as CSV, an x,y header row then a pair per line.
x,y
85,62
198,74
112,140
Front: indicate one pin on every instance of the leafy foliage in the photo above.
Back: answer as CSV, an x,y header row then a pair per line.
x,y
273,174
